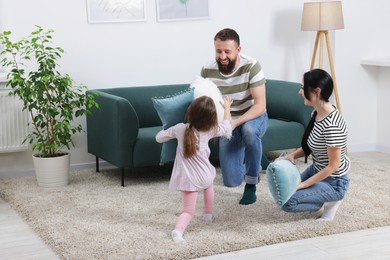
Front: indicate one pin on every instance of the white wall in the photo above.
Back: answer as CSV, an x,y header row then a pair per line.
x,y
364,90
383,125
145,53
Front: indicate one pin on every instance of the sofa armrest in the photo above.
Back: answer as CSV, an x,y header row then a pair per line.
x,y
112,130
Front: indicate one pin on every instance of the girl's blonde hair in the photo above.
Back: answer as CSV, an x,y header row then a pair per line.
x,y
201,115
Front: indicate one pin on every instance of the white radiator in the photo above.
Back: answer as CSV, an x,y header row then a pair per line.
x,y
13,123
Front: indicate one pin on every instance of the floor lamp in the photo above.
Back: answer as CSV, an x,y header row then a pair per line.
x,y
322,17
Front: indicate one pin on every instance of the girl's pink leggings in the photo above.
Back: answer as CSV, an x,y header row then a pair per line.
x,y
189,206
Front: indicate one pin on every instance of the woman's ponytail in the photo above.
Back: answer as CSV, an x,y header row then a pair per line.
x,y
316,78
305,137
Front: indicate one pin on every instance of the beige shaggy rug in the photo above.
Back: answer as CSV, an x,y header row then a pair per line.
x,y
95,218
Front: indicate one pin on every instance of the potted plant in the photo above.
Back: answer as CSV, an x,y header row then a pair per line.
x,y
51,99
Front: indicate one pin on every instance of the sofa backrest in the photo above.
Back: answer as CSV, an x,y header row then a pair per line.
x,y
284,102
140,98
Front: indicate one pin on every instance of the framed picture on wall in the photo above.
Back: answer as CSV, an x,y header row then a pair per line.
x,y
179,10
115,11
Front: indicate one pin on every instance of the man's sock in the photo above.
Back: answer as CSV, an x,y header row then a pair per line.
x,y
330,209
249,195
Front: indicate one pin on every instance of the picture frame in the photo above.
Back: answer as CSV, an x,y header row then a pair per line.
x,y
116,11
181,10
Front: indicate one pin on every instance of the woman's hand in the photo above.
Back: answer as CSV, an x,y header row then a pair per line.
x,y
289,157
301,186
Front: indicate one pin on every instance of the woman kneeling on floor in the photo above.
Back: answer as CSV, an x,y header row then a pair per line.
x,y
325,182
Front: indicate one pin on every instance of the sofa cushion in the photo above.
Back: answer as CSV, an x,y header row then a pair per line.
x,y
282,134
146,150
284,101
283,178
171,111
140,98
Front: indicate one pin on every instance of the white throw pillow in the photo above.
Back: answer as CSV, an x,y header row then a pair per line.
x,y
205,87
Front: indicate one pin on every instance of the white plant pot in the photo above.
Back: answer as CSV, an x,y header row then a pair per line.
x,y
52,172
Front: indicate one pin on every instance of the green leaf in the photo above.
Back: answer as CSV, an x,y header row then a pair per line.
x,y
46,93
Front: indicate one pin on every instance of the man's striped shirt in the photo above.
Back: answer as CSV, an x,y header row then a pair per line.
x,y
249,74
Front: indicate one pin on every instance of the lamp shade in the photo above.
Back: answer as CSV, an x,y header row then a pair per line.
x,y
322,16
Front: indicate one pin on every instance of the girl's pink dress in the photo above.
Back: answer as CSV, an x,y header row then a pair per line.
x,y
195,173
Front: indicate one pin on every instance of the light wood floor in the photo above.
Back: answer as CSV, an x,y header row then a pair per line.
x,y
18,241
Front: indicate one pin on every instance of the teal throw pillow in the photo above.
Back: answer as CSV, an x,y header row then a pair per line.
x,y
283,178
172,110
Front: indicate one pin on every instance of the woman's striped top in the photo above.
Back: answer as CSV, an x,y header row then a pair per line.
x,y
329,132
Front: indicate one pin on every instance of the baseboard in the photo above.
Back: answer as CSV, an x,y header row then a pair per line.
x,y
383,149
89,165
368,148
361,148
15,174
73,167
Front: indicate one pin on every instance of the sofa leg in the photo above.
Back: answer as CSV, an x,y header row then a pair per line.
x,y
123,177
97,164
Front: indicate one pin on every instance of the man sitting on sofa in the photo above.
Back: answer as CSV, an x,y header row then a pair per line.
x,y
242,78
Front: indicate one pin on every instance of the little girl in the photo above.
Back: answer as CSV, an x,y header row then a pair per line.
x,y
192,170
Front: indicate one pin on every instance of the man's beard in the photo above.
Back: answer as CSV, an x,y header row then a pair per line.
x,y
227,69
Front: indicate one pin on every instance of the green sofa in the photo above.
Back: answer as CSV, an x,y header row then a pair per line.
x,y
122,131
